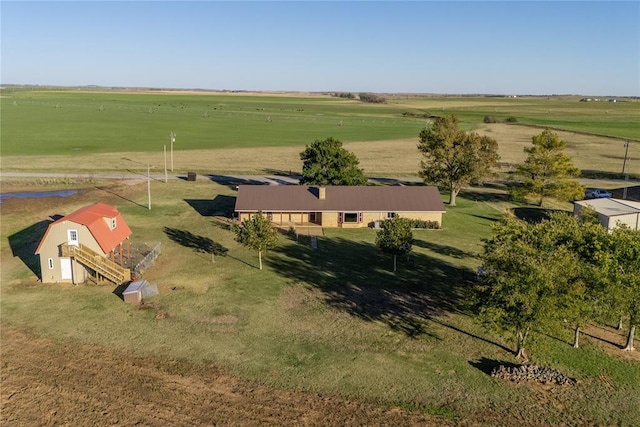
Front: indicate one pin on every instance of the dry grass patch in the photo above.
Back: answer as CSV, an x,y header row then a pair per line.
x,y
398,157
379,157
588,152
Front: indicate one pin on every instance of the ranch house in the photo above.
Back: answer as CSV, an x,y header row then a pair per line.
x,y
338,206
88,243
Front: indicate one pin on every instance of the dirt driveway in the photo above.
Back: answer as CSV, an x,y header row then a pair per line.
x,y
49,383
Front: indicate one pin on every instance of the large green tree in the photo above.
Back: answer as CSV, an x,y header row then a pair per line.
x,y
580,291
548,171
453,158
395,238
531,272
620,266
257,233
326,162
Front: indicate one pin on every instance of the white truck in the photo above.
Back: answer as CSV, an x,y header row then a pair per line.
x,y
596,193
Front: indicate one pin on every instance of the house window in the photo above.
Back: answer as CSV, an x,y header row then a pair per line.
x,y
270,216
352,217
73,237
50,263
312,217
113,223
391,215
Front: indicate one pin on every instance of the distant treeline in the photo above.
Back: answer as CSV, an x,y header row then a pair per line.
x,y
347,95
364,97
372,98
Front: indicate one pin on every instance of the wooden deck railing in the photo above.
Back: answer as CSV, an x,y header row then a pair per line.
x,y
101,265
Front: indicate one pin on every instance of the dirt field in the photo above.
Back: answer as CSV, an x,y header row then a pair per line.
x,y
47,383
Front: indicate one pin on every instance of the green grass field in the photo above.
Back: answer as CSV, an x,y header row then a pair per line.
x,y
332,320
48,122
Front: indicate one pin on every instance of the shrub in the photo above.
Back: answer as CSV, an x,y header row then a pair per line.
x,y
372,98
425,115
347,95
420,223
493,119
424,224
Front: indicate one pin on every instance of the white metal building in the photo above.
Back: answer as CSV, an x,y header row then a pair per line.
x,y
612,212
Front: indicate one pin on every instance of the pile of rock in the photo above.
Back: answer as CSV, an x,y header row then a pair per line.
x,y
532,373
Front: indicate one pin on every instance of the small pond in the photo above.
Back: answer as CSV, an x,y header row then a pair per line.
x,y
37,194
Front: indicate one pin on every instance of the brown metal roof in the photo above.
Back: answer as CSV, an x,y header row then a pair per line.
x,y
298,198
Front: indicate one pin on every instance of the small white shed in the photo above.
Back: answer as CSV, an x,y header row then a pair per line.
x,y
612,212
138,290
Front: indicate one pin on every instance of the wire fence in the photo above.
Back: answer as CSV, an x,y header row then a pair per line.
x,y
147,261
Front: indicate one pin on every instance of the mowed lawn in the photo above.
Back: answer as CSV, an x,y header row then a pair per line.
x,y
332,320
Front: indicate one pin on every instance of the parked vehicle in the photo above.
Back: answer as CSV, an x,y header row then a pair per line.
x,y
596,193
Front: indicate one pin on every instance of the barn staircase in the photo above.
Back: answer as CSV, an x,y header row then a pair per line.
x,y
101,265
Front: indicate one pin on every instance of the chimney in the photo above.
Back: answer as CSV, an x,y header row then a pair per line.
x,y
322,193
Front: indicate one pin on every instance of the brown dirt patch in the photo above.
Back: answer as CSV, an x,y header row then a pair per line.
x,y
52,383
612,341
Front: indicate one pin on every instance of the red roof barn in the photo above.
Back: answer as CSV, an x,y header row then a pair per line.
x,y
85,243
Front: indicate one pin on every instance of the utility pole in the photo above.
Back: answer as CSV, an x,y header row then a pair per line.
x,y
165,163
149,184
626,152
172,138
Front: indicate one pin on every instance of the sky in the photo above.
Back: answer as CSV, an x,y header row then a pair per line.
x,y
455,47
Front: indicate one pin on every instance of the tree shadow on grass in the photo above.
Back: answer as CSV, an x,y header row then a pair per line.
x,y
488,218
604,340
487,365
386,181
455,328
281,172
110,191
198,243
485,195
599,174
356,278
289,177
25,242
221,205
444,249
233,181
535,214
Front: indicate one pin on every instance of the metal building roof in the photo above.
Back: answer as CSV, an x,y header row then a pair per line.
x,y
297,198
